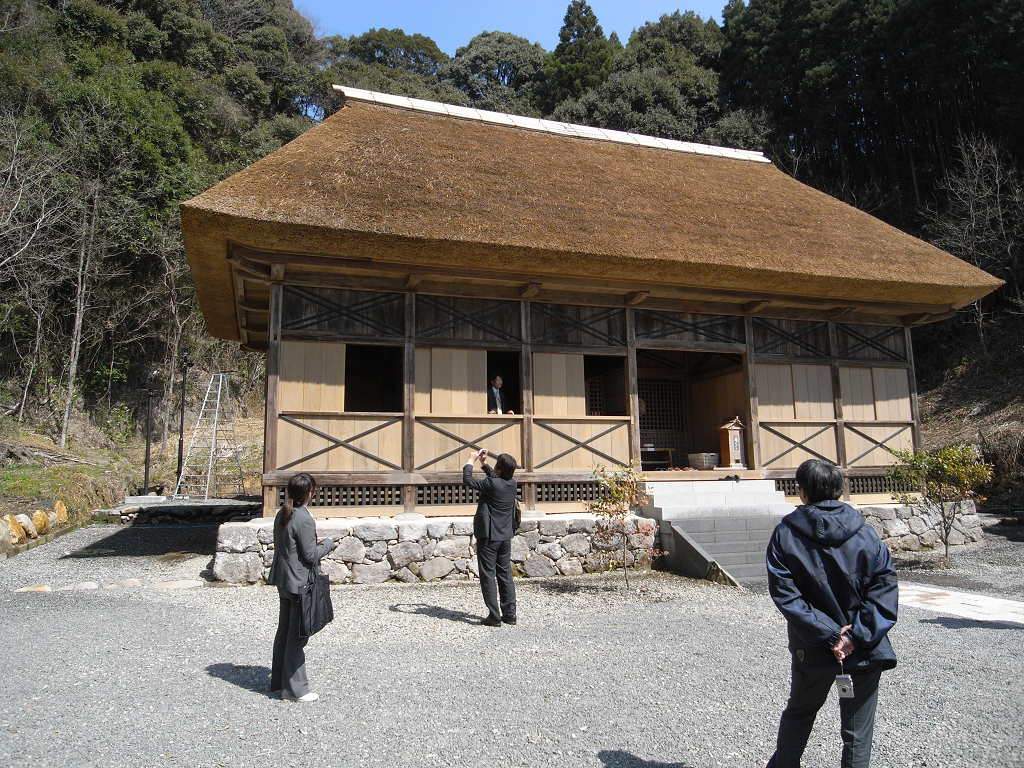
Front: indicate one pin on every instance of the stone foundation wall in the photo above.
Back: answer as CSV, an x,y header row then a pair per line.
x,y
910,529
411,547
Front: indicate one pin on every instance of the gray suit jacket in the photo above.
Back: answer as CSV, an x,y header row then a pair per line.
x,y
494,513
296,551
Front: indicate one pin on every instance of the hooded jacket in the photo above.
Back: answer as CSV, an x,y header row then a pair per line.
x,y
826,569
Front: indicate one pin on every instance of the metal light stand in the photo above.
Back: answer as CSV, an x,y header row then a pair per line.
x,y
185,363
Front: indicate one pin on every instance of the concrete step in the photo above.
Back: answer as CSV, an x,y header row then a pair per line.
x,y
748,572
713,510
727,560
765,523
711,486
731,499
732,547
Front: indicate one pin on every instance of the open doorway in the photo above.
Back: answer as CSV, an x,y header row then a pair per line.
x,y
373,379
684,398
605,378
506,365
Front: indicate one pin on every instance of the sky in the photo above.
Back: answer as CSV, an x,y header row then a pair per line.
x,y
453,23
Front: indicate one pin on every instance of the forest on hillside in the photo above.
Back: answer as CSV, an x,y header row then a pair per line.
x,y
114,111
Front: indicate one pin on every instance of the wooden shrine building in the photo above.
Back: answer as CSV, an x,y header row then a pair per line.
x,y
634,293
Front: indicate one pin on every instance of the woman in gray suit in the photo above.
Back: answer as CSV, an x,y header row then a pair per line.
x,y
493,526
297,551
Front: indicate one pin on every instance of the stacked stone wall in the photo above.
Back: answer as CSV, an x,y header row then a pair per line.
x,y
910,529
416,548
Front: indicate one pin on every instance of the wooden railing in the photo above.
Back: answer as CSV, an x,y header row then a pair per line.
x,y
577,443
442,441
786,444
870,443
338,442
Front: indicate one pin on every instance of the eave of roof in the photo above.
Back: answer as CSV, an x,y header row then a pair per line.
x,y
401,183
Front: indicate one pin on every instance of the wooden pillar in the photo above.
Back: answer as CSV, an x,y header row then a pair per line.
x,y
526,388
912,381
632,388
837,400
273,379
750,375
409,400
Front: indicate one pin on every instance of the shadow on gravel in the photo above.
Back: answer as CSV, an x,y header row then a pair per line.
x,y
616,758
954,622
251,678
152,541
435,612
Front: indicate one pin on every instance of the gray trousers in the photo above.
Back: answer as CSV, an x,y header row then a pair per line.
x,y
493,560
809,690
288,671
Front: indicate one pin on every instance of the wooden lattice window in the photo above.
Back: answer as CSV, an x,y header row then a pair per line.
x,y
595,397
680,326
877,484
326,311
443,494
795,338
552,493
870,342
352,496
664,404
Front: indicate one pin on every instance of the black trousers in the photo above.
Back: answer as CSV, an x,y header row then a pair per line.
x,y
493,559
808,691
288,671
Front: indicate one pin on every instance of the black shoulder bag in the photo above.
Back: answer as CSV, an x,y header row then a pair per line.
x,y
317,611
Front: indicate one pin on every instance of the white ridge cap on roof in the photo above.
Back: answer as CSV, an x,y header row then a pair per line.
x,y
548,126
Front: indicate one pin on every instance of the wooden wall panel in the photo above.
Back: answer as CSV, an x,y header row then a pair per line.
x,y
812,392
431,444
423,379
892,394
858,394
312,377
715,402
878,457
559,388
547,444
772,445
295,443
451,380
775,392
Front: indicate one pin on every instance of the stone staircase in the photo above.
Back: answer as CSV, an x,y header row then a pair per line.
x,y
717,529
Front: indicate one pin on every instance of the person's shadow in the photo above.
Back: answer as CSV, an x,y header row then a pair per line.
x,y
435,612
250,677
955,622
616,758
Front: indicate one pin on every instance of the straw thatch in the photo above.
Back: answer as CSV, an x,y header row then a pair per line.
x,y
403,186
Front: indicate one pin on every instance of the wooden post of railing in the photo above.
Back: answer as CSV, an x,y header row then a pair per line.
x,y
526,387
750,374
632,388
409,401
273,378
837,399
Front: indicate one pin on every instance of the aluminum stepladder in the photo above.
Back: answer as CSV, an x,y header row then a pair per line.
x,y
208,469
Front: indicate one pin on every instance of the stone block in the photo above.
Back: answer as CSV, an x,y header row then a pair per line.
x,y
975,534
403,553
904,512
268,558
532,539
265,535
462,526
375,530
918,526
910,543
407,576
336,571
473,567
876,524
461,565
236,538
15,533
538,566
41,521
61,511
552,551
641,540
350,550
27,526
586,524
520,549
453,547
929,539
608,542
377,551
412,530
956,538
436,568
576,544
551,527
595,563
52,520
5,538
238,568
880,512
371,574
438,529
527,525
570,567
428,546
334,529
456,576
895,527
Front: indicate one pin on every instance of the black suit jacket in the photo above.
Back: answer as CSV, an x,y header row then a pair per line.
x,y
495,512
296,551
492,403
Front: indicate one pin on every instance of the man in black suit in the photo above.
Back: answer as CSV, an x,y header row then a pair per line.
x,y
493,526
497,401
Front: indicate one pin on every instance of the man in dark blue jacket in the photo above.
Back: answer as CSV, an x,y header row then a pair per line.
x,y
834,581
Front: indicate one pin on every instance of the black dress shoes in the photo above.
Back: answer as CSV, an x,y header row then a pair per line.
x,y
491,621
509,620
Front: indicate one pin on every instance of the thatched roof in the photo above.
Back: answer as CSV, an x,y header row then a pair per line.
x,y
414,185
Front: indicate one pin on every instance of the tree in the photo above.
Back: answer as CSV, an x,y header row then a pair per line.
x,y
581,60
393,48
946,479
499,71
619,493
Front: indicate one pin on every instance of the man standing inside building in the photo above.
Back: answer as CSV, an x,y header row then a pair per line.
x,y
834,581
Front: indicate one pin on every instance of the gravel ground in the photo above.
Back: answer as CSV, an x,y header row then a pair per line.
x,y
683,674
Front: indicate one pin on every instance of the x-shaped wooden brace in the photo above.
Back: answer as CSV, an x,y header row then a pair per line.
x,y
333,309
786,336
457,316
700,328
577,444
462,442
802,444
874,443
336,443
579,325
875,342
